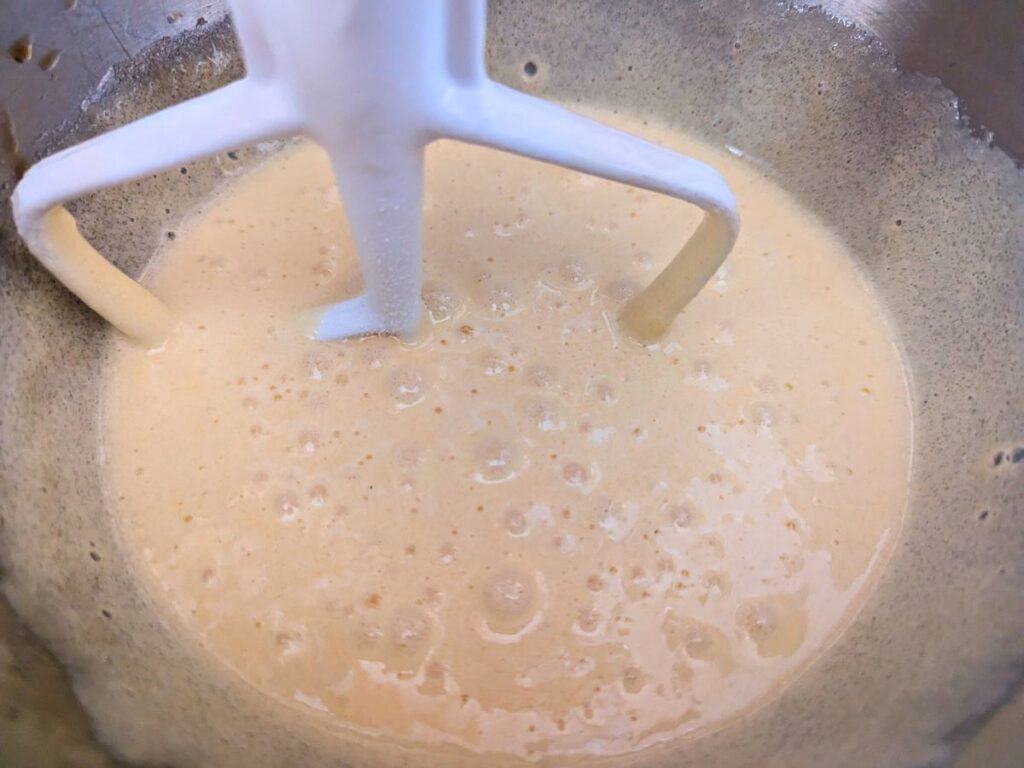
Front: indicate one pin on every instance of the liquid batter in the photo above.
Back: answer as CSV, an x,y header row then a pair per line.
x,y
524,534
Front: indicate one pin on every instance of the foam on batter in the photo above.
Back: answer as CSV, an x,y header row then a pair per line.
x,y
523,533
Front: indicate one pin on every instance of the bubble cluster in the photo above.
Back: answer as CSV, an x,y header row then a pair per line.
x,y
504,511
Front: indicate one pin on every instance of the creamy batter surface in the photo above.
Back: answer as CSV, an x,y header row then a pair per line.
x,y
523,534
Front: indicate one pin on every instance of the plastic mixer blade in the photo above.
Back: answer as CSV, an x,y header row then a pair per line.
x,y
373,82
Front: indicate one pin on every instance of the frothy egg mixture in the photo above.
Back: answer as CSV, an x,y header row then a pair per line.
x,y
524,534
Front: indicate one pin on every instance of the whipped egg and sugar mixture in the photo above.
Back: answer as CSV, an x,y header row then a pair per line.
x,y
522,534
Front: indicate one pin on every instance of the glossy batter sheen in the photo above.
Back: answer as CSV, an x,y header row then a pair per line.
x,y
524,533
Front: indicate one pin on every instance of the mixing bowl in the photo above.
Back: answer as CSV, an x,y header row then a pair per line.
x,y
897,123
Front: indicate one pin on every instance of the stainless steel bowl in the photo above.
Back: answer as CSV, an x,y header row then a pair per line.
x,y
899,122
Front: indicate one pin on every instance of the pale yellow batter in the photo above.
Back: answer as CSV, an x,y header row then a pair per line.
x,y
524,533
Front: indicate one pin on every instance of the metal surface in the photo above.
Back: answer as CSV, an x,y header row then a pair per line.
x,y
975,47
74,45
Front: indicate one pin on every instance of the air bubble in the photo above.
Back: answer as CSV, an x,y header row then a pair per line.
x,y
318,401
633,680
575,475
493,363
717,582
683,515
318,495
287,507
406,386
410,456
543,415
496,459
541,376
621,291
325,268
441,303
603,390
410,629
570,275
763,415
617,519
446,554
721,279
309,442
288,643
369,632
757,620
516,523
776,623
501,301
698,644
509,594
433,684
713,544
588,621
317,366
372,353
574,272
